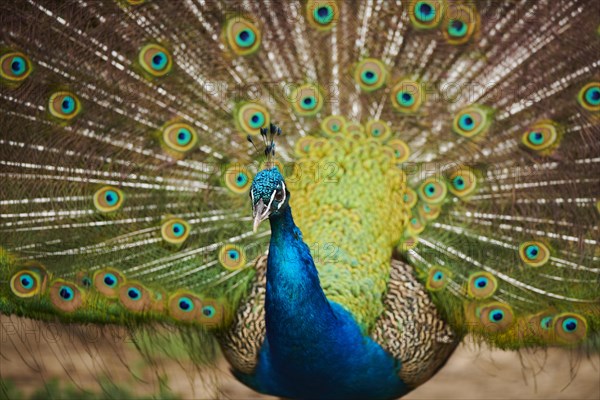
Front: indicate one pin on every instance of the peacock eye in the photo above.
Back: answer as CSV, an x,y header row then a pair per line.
x,y
279,195
242,35
155,60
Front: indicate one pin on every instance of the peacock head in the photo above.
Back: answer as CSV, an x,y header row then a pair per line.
x,y
269,195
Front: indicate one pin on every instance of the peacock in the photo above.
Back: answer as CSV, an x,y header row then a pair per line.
x,y
428,169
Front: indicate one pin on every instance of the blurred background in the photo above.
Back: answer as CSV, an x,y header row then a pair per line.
x,y
41,360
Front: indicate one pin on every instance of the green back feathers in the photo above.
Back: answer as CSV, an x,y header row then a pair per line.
x,y
347,198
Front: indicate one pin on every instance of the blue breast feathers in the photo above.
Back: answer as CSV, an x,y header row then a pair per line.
x,y
313,347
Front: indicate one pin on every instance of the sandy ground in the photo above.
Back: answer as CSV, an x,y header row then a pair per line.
x,y
31,354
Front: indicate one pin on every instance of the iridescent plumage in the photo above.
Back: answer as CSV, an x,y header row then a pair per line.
x,y
440,159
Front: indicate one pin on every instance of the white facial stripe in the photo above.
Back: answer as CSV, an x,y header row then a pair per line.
x,y
284,196
269,205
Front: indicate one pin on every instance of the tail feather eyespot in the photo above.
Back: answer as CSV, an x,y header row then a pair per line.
x,y
415,224
539,326
108,199
410,198
108,281
26,283
437,278
491,317
370,74
237,178
242,36
570,328
379,130
400,150
428,212
66,296
175,231
426,14
303,146
432,191
407,96
212,313
481,285
462,182
64,105
155,60
251,117
307,100
322,14
534,253
15,67
589,96
135,297
232,257
542,137
473,121
184,306
333,125
460,24
179,137
83,279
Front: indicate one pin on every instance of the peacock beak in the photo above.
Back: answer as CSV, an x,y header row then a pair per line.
x,y
260,212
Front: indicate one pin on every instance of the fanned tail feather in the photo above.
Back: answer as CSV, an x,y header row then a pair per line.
x,y
125,163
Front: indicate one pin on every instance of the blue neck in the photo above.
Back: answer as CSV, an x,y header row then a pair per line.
x,y
314,348
296,307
